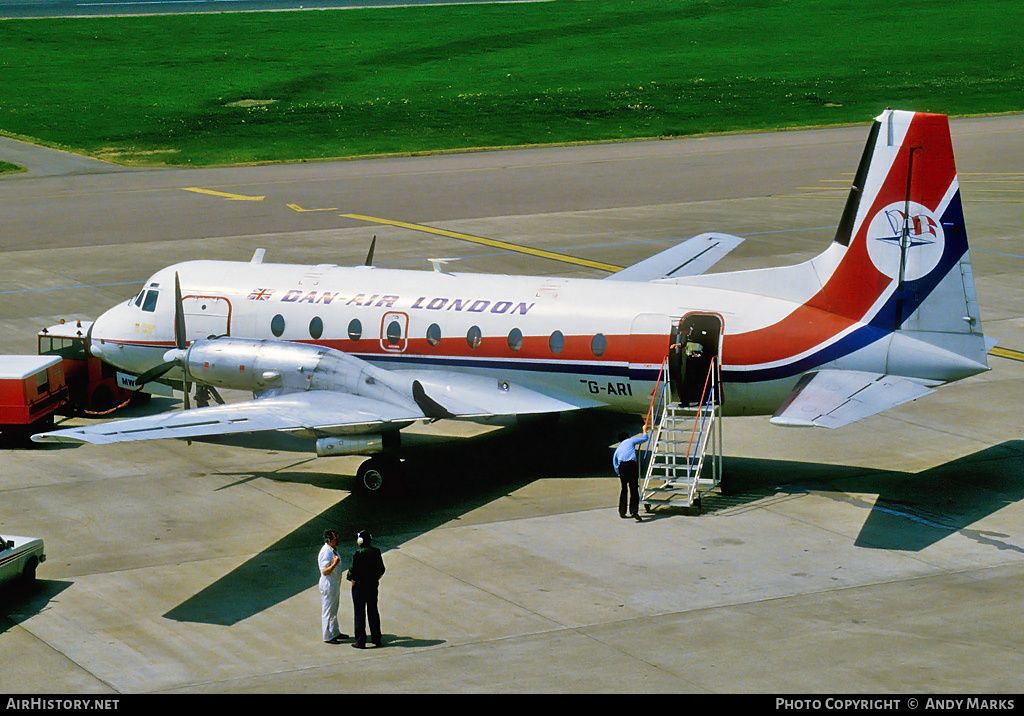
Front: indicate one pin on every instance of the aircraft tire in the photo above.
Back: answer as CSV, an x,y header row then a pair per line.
x,y
378,474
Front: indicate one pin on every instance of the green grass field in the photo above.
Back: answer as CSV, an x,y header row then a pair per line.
x,y
228,88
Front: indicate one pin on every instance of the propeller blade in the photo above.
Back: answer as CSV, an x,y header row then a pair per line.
x,y
179,315
187,386
153,373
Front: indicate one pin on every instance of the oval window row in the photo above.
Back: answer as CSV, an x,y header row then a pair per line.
x,y
474,337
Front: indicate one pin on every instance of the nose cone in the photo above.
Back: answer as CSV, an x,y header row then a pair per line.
x,y
106,335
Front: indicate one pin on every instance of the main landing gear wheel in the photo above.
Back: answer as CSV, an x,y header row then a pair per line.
x,y
378,473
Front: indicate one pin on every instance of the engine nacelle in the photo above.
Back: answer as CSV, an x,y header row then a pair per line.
x,y
244,364
254,365
350,445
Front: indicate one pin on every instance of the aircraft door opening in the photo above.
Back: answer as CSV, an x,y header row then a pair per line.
x,y
696,343
394,329
206,316
647,344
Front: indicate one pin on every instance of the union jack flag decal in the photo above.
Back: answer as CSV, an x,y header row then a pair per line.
x,y
260,294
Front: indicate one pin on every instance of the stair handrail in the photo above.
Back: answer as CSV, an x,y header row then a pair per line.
x,y
654,393
655,427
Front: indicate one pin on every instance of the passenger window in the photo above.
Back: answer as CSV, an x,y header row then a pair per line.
x,y
150,303
394,333
474,337
599,345
557,342
316,327
277,325
434,334
515,339
355,330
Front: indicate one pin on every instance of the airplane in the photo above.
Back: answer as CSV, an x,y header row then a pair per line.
x,y
352,355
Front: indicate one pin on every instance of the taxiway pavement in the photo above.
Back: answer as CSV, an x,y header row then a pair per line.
x,y
884,557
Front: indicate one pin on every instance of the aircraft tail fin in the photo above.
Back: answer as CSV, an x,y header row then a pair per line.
x,y
895,282
906,266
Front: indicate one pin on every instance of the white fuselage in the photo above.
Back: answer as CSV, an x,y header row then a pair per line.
x,y
601,342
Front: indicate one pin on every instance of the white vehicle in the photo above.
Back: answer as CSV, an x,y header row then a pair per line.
x,y
351,355
19,557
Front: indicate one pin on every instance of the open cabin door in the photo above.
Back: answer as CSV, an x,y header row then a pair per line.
x,y
696,343
648,342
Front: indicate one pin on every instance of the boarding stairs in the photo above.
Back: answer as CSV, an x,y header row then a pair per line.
x,y
684,455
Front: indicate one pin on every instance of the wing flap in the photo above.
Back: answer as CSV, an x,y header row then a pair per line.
x,y
690,258
465,395
834,398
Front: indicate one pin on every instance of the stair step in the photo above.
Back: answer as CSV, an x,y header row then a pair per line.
x,y
683,437
667,491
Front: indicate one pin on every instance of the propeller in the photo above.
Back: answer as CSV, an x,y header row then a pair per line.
x,y
176,356
179,336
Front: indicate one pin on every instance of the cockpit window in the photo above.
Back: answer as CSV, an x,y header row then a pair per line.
x,y
138,299
149,304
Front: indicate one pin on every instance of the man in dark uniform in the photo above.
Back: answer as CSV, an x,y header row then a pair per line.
x,y
364,574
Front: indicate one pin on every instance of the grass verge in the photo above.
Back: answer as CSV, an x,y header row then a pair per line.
x,y
8,168
251,87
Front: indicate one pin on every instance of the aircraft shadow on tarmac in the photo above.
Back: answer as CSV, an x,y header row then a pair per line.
x,y
909,512
443,481
905,511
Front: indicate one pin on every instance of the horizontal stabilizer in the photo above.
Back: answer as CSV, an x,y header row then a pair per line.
x,y
690,258
834,398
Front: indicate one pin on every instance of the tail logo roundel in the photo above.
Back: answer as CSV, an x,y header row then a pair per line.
x,y
924,240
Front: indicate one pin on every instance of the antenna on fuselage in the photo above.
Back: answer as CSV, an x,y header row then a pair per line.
x,y
257,256
439,264
369,255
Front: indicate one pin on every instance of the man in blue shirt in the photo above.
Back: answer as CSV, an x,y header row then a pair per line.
x,y
627,467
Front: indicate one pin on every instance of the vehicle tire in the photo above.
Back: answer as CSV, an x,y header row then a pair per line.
x,y
102,399
28,573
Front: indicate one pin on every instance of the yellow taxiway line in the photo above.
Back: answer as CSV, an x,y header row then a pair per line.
x,y
1007,353
224,195
564,258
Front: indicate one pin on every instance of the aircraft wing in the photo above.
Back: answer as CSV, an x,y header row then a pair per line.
x,y
833,398
325,411
690,258
433,395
